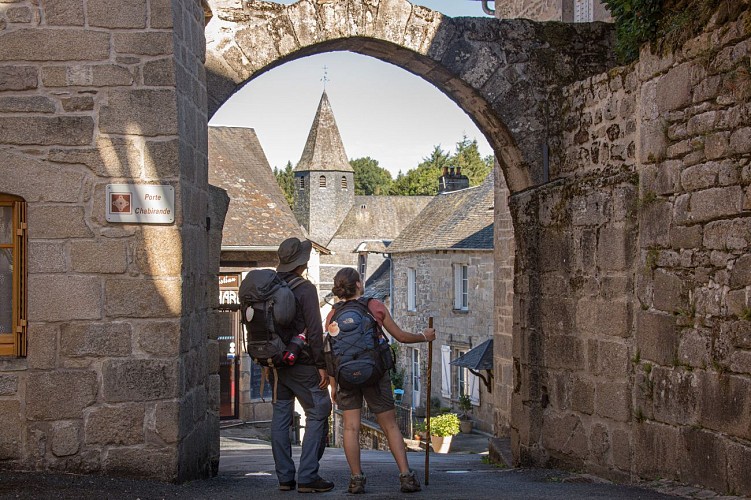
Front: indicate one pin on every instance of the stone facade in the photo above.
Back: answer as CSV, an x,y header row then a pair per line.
x,y
554,10
631,307
116,380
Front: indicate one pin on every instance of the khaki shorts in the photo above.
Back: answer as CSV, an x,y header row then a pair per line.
x,y
378,396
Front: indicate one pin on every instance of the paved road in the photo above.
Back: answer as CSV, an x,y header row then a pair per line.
x,y
247,472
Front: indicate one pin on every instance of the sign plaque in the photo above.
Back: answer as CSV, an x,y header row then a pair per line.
x,y
140,203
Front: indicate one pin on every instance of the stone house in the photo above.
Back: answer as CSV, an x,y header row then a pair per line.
x,y
258,220
443,268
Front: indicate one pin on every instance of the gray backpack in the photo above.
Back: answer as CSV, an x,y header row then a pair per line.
x,y
267,305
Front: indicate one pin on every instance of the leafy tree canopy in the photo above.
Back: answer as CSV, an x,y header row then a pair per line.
x,y
286,180
370,178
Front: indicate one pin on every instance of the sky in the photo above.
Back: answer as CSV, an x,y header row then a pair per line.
x,y
382,111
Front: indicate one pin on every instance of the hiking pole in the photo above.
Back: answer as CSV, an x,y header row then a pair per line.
x,y
427,405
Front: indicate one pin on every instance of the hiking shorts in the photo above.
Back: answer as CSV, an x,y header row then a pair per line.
x,y
378,396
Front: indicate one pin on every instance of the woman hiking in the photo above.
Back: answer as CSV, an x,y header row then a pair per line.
x,y
348,286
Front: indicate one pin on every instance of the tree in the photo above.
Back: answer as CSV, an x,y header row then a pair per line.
x,y
286,180
370,178
473,165
422,180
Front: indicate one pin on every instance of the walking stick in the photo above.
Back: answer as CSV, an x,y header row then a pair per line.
x,y
427,405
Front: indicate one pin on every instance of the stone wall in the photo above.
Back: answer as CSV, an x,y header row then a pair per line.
x,y
116,379
548,10
435,297
631,314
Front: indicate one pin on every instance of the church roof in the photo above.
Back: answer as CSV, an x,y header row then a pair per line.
x,y
324,149
380,217
258,213
454,220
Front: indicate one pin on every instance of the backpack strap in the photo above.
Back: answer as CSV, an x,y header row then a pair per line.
x,y
295,282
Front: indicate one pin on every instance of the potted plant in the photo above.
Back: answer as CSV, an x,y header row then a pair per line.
x,y
419,431
465,421
442,429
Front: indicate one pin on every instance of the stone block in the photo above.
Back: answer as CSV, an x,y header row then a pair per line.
x,y
557,316
652,141
667,178
725,404
738,465
565,435
140,380
701,176
39,44
26,104
656,219
60,394
54,297
103,256
77,103
740,275
112,157
564,351
95,339
674,88
42,345
8,384
160,72
621,449
685,237
703,458
46,257
19,15
669,292
728,235
656,337
582,395
740,362
675,395
161,160
609,359
47,130
694,348
143,462
66,439
154,110
161,14
10,431
740,140
656,449
63,12
117,13
18,78
615,249
159,251
167,421
713,204
115,425
603,318
150,43
613,400
716,145
142,298
160,338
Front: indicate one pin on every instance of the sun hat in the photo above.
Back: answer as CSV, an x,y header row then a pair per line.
x,y
292,253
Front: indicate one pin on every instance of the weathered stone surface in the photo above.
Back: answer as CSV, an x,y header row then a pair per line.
x,y
63,12
83,294
50,183
740,141
565,434
694,348
37,44
603,318
150,462
19,15
167,421
615,249
47,130
159,337
145,43
60,394
159,73
46,257
685,237
140,298
139,380
18,77
78,103
95,339
66,439
728,234
608,358
656,337
711,204
116,425
8,384
112,157
42,345
161,14
26,104
669,293
703,458
726,404
10,431
159,251
652,141
100,75
674,89
656,221
161,159
564,352
738,465
117,13
154,110
104,256
613,400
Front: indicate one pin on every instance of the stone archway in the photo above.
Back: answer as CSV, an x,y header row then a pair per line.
x,y
504,74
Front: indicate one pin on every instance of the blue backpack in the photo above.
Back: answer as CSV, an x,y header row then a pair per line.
x,y
360,351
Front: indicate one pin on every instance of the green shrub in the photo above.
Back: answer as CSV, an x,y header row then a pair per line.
x,y
444,425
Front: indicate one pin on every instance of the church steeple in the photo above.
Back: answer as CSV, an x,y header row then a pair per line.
x,y
324,179
324,150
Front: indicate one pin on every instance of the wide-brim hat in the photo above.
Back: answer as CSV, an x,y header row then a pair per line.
x,y
292,253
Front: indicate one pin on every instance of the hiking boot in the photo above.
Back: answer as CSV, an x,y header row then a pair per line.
x,y
409,482
318,486
357,483
287,485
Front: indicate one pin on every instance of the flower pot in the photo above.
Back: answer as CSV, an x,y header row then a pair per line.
x,y
441,444
465,426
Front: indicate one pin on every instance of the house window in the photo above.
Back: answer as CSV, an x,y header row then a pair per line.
x,y
12,276
344,182
462,376
322,181
461,287
301,182
415,377
362,264
411,289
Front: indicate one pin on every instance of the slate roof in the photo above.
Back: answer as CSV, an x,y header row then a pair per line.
x,y
380,217
478,358
377,285
454,220
258,213
324,149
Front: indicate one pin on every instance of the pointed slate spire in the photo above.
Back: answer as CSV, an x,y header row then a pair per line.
x,y
324,150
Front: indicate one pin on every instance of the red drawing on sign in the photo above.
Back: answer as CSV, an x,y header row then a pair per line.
x,y
120,203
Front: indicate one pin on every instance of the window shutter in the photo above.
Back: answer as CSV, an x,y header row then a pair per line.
x,y
474,389
445,371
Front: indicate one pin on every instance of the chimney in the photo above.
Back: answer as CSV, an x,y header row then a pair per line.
x,y
458,170
445,171
451,171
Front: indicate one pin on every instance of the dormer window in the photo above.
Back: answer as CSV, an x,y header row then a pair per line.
x,y
322,181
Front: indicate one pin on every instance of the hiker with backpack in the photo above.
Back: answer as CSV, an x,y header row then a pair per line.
x,y
300,373
358,359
